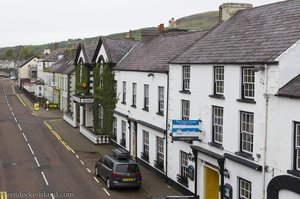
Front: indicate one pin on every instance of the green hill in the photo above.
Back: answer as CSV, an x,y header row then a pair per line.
x,y
194,22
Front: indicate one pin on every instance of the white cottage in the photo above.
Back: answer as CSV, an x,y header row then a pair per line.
x,y
229,81
142,86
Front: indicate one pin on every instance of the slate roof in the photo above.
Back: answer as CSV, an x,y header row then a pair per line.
x,y
256,35
291,89
117,49
155,54
88,52
53,56
66,64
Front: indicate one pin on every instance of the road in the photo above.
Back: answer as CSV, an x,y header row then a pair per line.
x,y
35,164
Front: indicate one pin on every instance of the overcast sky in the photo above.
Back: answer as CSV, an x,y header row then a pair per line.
x,y
25,22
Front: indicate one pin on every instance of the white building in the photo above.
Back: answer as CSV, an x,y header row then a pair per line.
x,y
229,81
142,86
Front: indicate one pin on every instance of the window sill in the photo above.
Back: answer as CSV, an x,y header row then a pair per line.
x,y
249,101
133,106
123,103
185,91
159,113
219,146
217,96
145,109
244,155
294,172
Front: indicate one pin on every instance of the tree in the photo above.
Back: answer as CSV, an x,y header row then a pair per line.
x,y
105,96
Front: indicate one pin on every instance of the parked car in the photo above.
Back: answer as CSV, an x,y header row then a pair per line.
x,y
118,170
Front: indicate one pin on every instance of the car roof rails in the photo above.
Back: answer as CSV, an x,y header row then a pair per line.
x,y
120,153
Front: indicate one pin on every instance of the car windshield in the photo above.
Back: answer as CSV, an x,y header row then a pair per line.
x,y
127,168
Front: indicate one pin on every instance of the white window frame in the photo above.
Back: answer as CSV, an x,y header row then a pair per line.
x,y
219,80
245,189
100,116
217,122
123,129
297,145
115,127
161,101
146,142
160,150
248,83
184,164
247,132
146,96
134,87
185,109
124,92
186,72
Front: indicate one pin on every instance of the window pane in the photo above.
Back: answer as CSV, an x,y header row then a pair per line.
x,y
248,82
219,80
186,78
247,123
245,189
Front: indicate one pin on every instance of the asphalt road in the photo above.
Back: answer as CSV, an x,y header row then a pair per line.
x,y
35,164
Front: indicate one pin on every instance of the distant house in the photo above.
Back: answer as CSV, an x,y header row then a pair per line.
x,y
64,77
27,74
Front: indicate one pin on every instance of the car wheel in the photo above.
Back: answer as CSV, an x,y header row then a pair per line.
x,y
97,172
108,185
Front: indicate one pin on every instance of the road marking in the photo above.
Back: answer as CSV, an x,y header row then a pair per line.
x,y
30,149
16,119
10,108
25,137
13,88
77,156
82,162
88,170
52,196
45,179
106,191
37,162
13,114
3,195
96,179
21,100
20,128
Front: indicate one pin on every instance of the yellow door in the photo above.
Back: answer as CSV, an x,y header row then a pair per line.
x,y
211,184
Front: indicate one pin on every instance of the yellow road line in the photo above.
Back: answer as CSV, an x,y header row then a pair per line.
x,y
21,100
58,137
3,195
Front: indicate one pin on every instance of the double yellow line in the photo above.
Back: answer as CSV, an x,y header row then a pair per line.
x,y
3,195
58,137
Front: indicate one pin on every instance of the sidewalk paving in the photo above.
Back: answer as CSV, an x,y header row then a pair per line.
x,y
89,152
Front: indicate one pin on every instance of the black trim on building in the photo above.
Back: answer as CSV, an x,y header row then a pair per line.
x,y
120,114
221,162
151,126
244,162
282,182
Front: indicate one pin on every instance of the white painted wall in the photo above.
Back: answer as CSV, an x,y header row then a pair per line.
x,y
103,53
285,194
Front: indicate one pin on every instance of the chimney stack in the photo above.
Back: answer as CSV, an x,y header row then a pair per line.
x,y
227,10
161,28
129,35
172,23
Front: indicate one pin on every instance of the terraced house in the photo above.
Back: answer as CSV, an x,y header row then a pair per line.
x,y
241,82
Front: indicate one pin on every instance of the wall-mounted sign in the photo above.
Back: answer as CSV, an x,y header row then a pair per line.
x,y
185,129
84,84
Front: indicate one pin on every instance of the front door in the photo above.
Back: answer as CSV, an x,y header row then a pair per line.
x,y
211,184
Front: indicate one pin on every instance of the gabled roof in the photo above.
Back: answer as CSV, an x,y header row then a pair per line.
x,y
291,89
88,52
256,35
53,56
27,61
117,49
66,64
155,54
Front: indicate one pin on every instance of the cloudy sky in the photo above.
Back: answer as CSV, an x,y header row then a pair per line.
x,y
25,22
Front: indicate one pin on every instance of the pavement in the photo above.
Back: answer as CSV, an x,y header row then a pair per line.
x,y
88,152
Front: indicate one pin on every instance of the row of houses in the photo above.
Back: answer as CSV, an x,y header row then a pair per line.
x,y
213,113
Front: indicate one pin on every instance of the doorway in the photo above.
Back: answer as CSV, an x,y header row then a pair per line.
x,y
211,183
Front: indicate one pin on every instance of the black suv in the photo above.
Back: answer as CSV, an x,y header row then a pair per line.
x,y
119,170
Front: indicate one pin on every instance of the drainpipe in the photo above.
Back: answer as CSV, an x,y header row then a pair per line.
x,y
266,95
195,153
166,131
221,165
